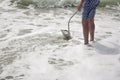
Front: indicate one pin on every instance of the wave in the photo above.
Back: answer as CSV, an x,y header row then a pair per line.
x,y
59,3
56,3
45,3
109,2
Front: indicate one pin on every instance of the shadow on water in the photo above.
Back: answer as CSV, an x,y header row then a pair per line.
x,y
107,49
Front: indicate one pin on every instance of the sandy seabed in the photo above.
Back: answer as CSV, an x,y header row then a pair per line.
x,y
32,46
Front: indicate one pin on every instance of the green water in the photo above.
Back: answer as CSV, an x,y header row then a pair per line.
x,y
60,3
109,2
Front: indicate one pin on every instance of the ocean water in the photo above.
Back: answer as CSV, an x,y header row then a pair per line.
x,y
52,3
59,3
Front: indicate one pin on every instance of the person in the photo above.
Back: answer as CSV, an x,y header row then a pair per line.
x,y
89,9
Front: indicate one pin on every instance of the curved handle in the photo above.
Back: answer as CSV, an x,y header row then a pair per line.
x,y
70,20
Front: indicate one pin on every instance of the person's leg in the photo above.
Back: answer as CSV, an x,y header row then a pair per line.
x,y
85,31
85,16
91,23
91,28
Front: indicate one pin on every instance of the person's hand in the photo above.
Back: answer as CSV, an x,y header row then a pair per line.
x,y
79,8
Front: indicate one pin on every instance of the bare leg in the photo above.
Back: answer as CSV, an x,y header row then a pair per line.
x,y
91,28
85,31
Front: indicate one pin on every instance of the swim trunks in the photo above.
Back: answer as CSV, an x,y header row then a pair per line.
x,y
89,9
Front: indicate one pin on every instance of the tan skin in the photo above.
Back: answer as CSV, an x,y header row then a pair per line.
x,y
88,26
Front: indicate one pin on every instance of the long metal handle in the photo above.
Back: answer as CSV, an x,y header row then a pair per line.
x,y
70,20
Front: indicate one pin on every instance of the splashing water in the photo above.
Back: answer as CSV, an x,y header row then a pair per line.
x,y
58,3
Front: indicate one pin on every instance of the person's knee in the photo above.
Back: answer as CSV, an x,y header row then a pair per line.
x,y
84,22
91,21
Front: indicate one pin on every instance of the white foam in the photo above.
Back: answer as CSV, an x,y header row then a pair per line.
x,y
49,57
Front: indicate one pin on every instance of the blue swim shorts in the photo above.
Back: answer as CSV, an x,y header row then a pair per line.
x,y
89,11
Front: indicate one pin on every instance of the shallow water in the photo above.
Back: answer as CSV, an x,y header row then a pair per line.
x,y
31,42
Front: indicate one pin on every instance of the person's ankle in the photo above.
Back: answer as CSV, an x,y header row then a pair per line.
x,y
92,40
86,43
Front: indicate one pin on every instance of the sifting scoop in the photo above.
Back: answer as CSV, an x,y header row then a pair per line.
x,y
66,33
